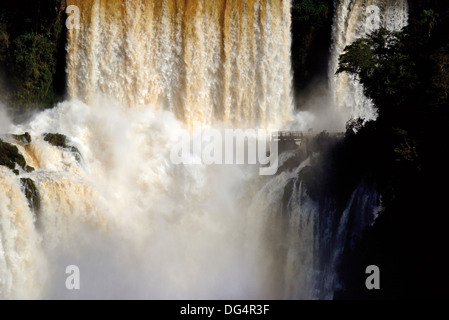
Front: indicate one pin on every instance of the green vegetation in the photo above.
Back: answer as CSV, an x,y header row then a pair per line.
x,y
33,65
60,140
56,139
10,156
32,53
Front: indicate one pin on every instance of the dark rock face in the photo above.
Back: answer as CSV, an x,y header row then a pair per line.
x,y
24,138
61,141
10,156
31,193
56,139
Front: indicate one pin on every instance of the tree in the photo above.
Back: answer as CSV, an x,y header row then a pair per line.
x,y
32,53
406,74
33,65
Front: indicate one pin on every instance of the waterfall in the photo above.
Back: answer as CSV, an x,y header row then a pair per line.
x,y
355,19
207,61
138,226
140,75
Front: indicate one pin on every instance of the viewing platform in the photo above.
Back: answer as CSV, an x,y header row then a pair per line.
x,y
297,136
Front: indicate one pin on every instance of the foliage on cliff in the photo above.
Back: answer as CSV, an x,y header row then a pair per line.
x,y
406,74
32,53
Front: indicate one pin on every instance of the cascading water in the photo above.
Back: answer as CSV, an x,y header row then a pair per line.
x,y
141,74
355,19
207,60
135,224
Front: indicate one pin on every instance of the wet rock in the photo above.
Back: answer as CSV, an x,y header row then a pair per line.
x,y
10,157
31,193
61,141
24,138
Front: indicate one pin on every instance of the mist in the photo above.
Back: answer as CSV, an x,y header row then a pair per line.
x,y
316,110
138,226
5,121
